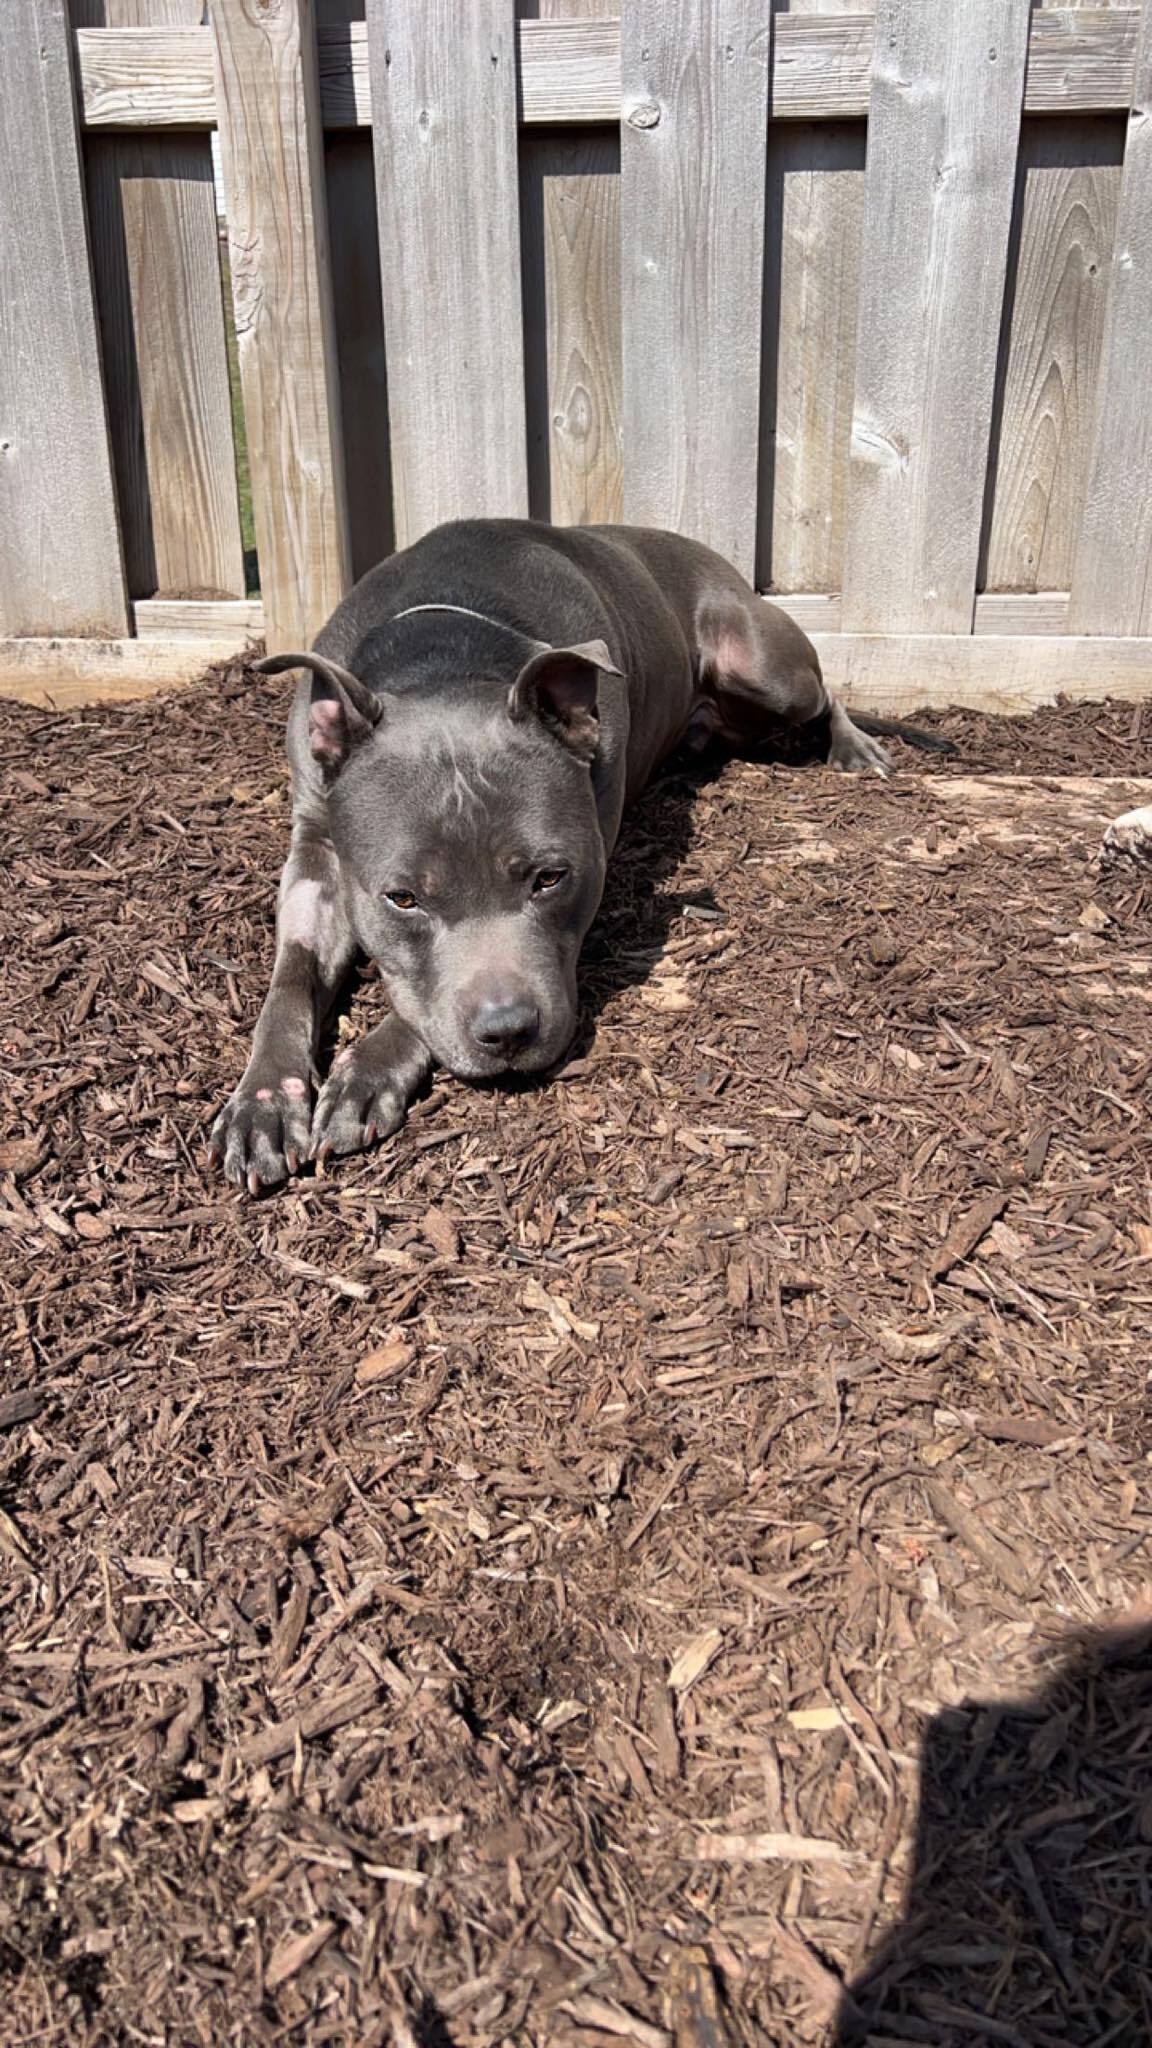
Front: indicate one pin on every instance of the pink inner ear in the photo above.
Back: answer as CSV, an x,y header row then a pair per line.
x,y
568,690
734,656
327,729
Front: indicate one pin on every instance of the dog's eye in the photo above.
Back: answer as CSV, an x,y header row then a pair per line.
x,y
401,899
548,878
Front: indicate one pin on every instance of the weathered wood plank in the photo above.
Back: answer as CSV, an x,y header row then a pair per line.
x,y
68,673
1079,62
444,122
821,65
947,87
354,255
152,210
899,673
146,77
60,562
693,151
815,611
1067,185
570,69
873,672
1000,612
239,619
571,224
1112,572
271,152
1032,611
103,159
811,288
354,246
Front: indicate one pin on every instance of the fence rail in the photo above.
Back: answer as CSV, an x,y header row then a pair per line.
x,y
862,299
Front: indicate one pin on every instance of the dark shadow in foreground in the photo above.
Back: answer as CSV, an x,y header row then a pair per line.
x,y
1029,1911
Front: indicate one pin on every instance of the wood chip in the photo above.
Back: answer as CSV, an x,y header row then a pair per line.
x,y
610,2018
385,1362
770,1848
977,1536
442,1232
966,1232
819,1720
694,1658
23,1405
344,1705
292,1955
920,1347
22,1156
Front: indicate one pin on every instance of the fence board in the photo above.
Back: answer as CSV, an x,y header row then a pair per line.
x,y
271,153
1112,574
160,618
998,612
152,212
693,149
875,672
444,124
570,72
359,312
900,673
947,88
570,220
354,246
811,288
1067,184
67,672
104,157
60,561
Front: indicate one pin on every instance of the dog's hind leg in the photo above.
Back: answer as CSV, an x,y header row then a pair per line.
x,y
761,673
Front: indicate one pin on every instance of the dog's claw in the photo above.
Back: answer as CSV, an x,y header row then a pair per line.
x,y
357,1106
260,1135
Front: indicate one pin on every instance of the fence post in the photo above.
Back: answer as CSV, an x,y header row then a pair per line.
x,y
444,128
943,131
271,154
1112,568
61,570
694,137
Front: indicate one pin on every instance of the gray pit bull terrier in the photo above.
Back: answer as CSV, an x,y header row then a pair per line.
x,y
474,718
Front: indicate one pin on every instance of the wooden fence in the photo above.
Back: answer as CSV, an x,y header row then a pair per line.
x,y
862,299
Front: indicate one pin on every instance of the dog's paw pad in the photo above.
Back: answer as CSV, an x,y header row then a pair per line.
x,y
357,1105
261,1134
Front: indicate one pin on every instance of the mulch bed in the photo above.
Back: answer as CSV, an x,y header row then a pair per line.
x,y
634,1556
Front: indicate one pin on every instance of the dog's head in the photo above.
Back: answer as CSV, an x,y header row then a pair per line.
x,y
466,827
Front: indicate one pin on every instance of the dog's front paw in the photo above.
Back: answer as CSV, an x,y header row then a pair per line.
x,y
262,1133
362,1100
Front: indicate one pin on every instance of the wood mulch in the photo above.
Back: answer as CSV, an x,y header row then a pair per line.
x,y
657,1557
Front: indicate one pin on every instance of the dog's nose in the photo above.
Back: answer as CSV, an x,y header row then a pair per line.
x,y
505,1024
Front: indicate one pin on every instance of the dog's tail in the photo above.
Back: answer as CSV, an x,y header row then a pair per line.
x,y
895,729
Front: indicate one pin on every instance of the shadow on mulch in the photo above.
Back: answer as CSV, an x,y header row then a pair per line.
x,y
639,911
1028,1903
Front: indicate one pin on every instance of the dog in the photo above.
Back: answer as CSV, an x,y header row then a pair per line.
x,y
471,724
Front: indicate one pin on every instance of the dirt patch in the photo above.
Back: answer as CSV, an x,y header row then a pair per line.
x,y
442,1596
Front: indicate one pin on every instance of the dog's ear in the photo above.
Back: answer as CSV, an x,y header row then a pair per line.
x,y
561,686
343,711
